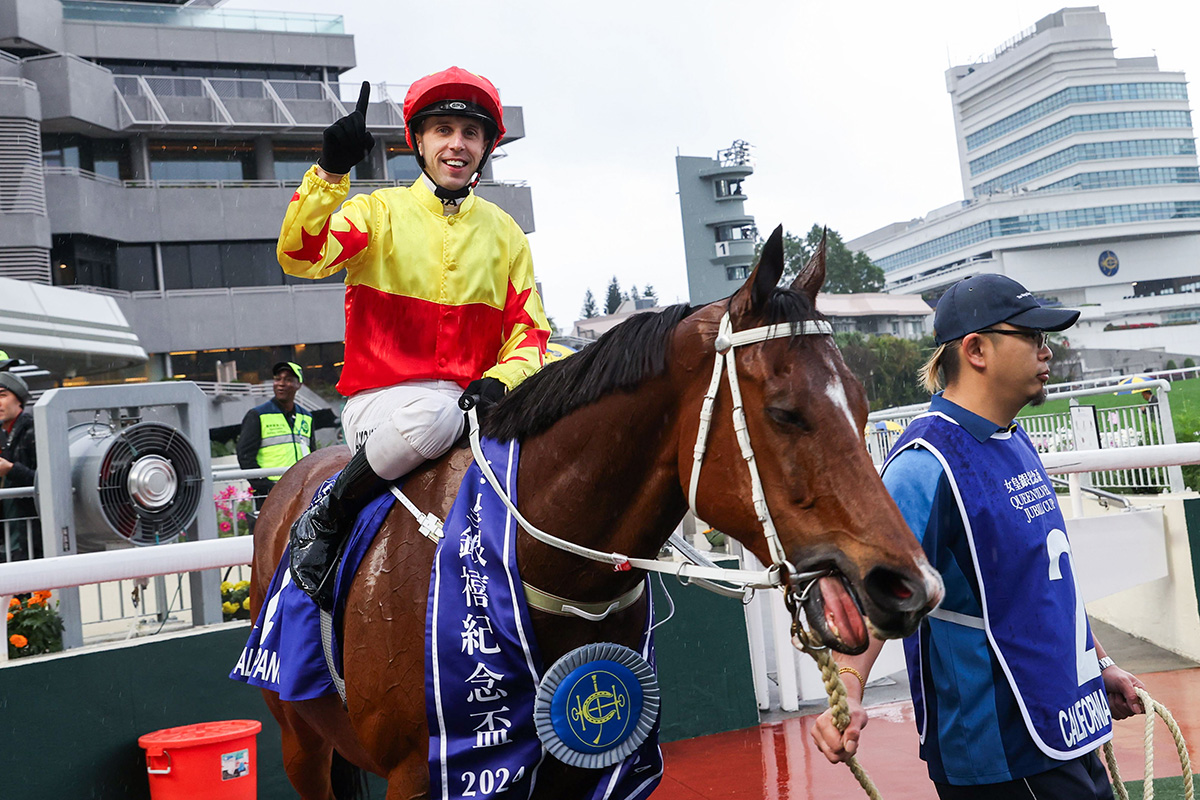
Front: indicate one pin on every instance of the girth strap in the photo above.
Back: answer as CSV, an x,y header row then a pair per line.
x,y
594,612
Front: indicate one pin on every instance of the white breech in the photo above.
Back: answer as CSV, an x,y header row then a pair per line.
x,y
403,426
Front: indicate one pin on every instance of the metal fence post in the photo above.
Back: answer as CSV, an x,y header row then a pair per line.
x,y
1166,424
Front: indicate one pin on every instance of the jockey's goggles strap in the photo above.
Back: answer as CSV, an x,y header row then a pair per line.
x,y
757,579
726,342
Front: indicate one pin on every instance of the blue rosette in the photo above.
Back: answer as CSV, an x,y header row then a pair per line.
x,y
596,705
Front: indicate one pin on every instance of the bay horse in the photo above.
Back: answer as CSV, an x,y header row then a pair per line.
x,y
607,440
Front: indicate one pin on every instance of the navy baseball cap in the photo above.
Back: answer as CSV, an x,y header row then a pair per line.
x,y
290,366
981,301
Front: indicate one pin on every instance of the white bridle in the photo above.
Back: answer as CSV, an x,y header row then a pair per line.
x,y
727,340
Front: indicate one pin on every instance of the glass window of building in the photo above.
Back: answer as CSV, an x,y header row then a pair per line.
x,y
293,159
401,163
211,160
175,69
107,157
135,268
727,188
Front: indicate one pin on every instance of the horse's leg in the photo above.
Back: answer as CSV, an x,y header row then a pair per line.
x,y
307,756
410,778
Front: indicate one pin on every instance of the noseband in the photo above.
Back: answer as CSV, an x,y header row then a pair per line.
x,y
727,340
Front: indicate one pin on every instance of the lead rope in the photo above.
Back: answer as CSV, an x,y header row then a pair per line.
x,y
1152,707
837,704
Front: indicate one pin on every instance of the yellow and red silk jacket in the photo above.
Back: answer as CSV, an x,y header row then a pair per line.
x,y
428,297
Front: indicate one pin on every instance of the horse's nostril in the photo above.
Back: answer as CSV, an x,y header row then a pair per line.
x,y
884,584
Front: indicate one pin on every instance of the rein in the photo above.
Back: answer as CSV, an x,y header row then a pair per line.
x,y
771,577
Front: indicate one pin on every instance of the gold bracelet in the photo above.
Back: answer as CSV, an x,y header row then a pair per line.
x,y
861,680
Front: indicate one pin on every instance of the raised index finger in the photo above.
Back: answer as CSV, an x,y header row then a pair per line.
x,y
364,98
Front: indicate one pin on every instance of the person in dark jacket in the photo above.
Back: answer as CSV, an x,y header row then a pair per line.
x,y
277,433
18,465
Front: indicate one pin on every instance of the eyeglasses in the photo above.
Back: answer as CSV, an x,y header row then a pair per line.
x,y
1039,338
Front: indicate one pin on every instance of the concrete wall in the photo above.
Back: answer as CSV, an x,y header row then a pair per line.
x,y
76,94
82,205
1164,612
20,102
1065,267
31,23
163,43
700,208
249,317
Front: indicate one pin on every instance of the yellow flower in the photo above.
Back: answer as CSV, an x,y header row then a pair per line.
x,y
241,585
229,608
246,604
225,586
18,641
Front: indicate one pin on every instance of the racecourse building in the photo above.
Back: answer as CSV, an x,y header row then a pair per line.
x,y
148,152
1080,180
718,234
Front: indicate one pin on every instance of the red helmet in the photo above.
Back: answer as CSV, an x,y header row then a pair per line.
x,y
454,92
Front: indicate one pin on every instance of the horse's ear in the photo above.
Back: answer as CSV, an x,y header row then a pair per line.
x,y
812,277
755,292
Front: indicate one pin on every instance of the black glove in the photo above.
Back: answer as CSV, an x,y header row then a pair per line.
x,y
347,141
483,393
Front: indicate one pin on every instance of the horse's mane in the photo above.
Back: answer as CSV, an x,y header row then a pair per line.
x,y
632,352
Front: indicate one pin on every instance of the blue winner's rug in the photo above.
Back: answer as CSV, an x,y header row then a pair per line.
x,y
284,652
483,667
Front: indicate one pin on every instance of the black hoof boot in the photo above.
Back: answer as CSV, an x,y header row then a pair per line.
x,y
318,537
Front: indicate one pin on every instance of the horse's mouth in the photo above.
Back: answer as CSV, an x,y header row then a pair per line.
x,y
835,615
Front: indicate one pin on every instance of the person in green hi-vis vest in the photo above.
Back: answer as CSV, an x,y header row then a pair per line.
x,y
277,433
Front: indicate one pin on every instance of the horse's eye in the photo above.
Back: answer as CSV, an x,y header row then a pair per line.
x,y
786,416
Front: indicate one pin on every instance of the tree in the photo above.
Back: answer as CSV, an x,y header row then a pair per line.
x,y
613,301
845,271
886,366
650,294
1067,364
589,306
1171,364
634,293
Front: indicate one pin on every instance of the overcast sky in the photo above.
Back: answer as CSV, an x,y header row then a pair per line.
x,y
845,104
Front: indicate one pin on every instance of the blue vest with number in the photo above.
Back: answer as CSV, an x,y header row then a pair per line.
x,y
1032,611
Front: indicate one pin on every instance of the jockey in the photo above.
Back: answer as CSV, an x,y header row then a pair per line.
x,y
440,297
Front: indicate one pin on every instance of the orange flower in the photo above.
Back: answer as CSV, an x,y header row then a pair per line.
x,y
34,601
14,603
42,596
18,641
10,616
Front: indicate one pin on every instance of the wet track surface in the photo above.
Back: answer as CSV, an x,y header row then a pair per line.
x,y
778,761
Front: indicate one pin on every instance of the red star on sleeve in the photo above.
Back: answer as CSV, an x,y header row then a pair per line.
x,y
352,241
514,308
310,245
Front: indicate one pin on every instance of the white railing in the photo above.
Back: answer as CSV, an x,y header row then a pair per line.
x,y
138,591
1139,424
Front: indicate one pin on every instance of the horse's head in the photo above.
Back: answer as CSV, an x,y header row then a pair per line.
x,y
805,416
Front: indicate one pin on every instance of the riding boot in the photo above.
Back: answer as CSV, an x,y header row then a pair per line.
x,y
319,535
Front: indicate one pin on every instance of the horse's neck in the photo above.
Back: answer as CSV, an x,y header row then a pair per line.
x,y
605,477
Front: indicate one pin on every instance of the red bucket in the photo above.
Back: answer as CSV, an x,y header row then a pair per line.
x,y
206,761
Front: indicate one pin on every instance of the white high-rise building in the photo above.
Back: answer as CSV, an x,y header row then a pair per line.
x,y
1080,181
